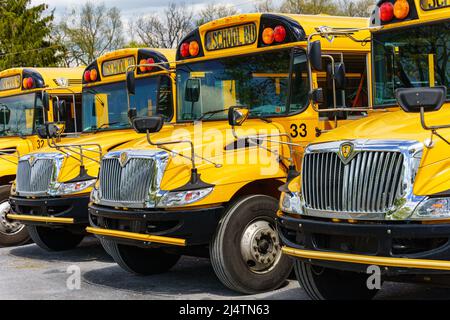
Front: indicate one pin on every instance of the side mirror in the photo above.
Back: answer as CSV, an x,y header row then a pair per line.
x,y
49,130
339,76
132,113
237,116
5,116
148,124
46,100
131,83
414,99
316,96
192,91
315,55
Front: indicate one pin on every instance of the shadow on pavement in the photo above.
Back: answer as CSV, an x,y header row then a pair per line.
x,y
412,291
89,250
189,276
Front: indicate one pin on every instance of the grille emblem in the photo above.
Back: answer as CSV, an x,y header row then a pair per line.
x,y
32,160
123,159
346,152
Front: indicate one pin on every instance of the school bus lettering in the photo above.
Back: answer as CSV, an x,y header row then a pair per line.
x,y
10,83
118,66
298,130
434,4
231,37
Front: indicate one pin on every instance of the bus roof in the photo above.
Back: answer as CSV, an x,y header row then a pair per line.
x,y
251,26
11,80
112,66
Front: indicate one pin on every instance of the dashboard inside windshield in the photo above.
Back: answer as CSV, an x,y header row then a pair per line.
x,y
106,106
259,82
20,114
411,57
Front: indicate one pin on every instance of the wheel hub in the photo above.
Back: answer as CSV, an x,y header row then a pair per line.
x,y
8,227
260,246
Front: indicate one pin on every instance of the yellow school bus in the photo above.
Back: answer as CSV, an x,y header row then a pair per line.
x,y
51,192
28,98
373,200
212,189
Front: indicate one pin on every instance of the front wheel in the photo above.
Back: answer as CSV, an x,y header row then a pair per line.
x,y
12,233
330,284
246,251
141,261
54,239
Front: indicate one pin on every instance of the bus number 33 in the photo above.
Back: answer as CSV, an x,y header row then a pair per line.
x,y
298,130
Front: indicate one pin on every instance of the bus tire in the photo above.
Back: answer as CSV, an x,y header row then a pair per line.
x,y
107,245
246,251
143,261
54,239
12,233
331,284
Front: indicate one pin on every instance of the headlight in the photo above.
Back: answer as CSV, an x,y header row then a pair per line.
x,y
73,187
290,202
182,198
13,189
433,208
95,196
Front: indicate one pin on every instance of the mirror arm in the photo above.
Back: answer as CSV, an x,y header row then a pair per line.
x,y
159,144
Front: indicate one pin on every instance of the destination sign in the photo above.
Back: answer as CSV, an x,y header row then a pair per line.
x,y
10,83
434,4
118,66
231,37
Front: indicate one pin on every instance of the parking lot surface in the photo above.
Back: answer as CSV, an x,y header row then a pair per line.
x,y
28,272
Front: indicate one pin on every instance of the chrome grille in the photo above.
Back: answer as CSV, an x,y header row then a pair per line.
x,y
371,182
126,184
34,177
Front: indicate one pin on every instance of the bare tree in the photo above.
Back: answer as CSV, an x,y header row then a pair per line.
x,y
89,32
356,8
265,6
166,30
308,7
215,11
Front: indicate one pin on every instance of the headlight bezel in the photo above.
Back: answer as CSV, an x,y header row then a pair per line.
x,y
426,204
67,188
175,199
291,202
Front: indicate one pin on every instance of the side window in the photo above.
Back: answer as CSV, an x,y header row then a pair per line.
x,y
355,94
67,109
165,99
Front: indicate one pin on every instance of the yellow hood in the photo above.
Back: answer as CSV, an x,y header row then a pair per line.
x,y
210,140
8,163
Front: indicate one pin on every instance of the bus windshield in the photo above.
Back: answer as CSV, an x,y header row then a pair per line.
x,y
259,82
411,57
105,107
20,115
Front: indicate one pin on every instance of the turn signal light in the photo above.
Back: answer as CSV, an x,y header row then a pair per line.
x,y
28,83
401,9
386,12
93,75
268,36
194,48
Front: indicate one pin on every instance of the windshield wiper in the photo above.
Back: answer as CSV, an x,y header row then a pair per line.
x,y
95,93
110,124
210,114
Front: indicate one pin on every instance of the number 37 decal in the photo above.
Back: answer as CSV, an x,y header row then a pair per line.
x,y
298,130
40,144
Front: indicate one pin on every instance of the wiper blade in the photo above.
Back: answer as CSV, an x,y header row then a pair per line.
x,y
211,113
120,124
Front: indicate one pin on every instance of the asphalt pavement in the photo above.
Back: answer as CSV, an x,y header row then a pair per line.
x,y
28,272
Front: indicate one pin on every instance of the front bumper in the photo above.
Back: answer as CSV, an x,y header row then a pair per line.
x,y
402,248
50,211
155,227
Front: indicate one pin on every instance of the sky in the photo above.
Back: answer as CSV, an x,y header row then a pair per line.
x,y
132,8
